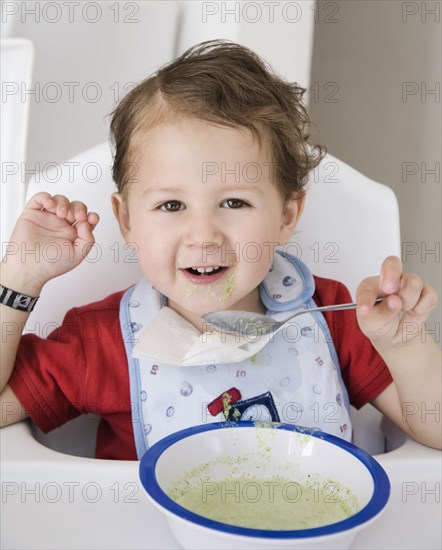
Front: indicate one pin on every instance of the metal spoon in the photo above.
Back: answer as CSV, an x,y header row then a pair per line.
x,y
246,322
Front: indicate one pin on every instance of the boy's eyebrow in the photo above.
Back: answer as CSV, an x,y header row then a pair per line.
x,y
149,190
243,187
231,187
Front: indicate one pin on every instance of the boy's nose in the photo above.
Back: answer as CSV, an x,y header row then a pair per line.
x,y
202,231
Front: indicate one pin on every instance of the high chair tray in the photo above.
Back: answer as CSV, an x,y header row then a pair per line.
x,y
53,500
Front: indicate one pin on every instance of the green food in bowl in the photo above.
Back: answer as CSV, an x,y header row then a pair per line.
x,y
275,503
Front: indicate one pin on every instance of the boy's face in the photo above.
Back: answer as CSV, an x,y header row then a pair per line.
x,y
206,214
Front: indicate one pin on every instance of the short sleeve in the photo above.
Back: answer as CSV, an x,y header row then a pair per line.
x,y
49,374
364,372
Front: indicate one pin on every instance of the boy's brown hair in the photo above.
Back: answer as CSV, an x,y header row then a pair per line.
x,y
229,85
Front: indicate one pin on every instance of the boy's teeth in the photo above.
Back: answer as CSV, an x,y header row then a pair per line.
x,y
205,269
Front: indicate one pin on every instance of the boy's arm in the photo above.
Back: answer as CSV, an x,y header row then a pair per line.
x,y
45,221
396,328
413,400
12,409
13,320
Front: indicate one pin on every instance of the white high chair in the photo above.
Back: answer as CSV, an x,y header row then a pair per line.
x,y
17,56
358,227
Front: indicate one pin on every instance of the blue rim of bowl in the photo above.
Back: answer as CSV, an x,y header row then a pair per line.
x,y
379,499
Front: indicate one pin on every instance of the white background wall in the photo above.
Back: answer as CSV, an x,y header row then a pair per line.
x,y
373,67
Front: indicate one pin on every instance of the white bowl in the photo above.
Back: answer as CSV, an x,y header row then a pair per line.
x,y
215,451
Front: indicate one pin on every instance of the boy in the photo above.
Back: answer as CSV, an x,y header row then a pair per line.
x,y
217,105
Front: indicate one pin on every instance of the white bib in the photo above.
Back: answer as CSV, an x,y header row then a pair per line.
x,y
292,377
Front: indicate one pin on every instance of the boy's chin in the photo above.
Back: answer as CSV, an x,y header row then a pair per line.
x,y
201,310
195,307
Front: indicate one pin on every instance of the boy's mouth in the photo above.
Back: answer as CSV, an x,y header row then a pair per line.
x,y
205,270
204,275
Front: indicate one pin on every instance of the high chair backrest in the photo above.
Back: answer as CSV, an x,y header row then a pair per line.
x,y
17,55
349,226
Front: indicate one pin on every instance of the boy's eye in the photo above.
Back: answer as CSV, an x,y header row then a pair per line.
x,y
172,206
234,203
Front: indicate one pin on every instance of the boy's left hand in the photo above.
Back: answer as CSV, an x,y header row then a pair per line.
x,y
407,303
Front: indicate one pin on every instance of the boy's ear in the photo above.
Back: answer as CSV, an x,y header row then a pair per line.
x,y
122,215
291,213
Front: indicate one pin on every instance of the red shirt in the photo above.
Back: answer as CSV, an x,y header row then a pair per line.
x,y
82,368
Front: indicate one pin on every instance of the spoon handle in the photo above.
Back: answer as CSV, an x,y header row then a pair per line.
x,y
336,307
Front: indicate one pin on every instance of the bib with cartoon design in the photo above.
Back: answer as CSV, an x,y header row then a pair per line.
x,y
295,378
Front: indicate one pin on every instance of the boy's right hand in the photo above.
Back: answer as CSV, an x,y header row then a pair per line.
x,y
51,237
